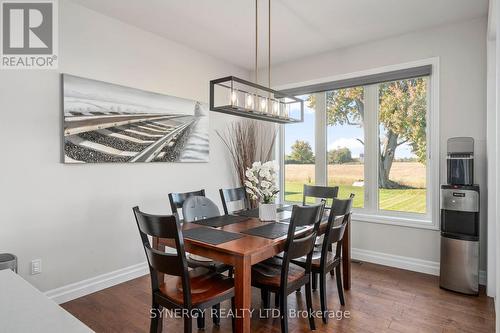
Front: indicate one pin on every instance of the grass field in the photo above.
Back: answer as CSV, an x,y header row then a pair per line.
x,y
407,173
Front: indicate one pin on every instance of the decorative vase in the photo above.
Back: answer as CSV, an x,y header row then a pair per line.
x,y
267,212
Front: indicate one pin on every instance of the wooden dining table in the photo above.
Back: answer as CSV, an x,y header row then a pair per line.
x,y
246,251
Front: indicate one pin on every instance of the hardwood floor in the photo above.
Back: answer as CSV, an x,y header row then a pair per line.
x,y
382,299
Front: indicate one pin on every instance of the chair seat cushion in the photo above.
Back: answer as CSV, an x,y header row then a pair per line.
x,y
215,266
205,285
316,259
268,273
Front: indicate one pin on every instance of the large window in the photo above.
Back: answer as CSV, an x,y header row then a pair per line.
x,y
370,140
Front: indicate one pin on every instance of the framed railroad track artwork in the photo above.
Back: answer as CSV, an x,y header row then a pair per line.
x,y
109,123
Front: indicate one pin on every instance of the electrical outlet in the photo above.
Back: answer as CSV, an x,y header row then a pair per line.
x,y
36,266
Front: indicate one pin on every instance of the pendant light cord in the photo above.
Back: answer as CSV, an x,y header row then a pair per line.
x,y
269,47
268,43
256,39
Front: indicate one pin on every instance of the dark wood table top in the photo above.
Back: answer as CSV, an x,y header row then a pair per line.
x,y
248,245
243,246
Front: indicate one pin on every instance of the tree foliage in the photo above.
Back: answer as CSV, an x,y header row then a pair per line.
x,y
301,153
339,156
403,108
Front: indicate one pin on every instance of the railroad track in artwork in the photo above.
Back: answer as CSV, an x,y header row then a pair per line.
x,y
124,137
148,154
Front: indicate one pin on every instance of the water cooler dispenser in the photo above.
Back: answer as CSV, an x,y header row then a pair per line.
x,y
459,269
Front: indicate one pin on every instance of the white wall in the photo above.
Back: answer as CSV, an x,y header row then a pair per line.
x,y
495,15
78,218
492,164
462,52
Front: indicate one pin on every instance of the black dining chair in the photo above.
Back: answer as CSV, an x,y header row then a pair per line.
x,y
197,208
232,195
325,194
193,290
281,276
200,206
325,261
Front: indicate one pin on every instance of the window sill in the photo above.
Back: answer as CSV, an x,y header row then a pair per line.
x,y
409,222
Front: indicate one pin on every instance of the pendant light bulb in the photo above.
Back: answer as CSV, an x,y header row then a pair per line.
x,y
249,101
234,98
275,107
263,104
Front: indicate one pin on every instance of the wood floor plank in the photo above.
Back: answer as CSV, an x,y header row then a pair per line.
x,y
382,299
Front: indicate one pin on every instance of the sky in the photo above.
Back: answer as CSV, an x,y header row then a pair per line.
x,y
337,136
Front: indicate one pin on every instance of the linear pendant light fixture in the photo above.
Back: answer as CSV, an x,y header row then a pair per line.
x,y
238,97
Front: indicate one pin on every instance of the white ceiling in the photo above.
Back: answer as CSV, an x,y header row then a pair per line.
x,y
226,28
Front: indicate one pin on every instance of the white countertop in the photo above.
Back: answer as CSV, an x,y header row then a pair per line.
x,y
24,309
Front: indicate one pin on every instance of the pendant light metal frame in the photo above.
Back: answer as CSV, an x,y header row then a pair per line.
x,y
278,108
229,83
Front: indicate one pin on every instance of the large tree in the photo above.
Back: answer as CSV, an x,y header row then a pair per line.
x,y
402,116
302,152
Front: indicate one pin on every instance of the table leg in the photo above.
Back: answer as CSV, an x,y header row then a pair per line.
x,y
346,256
243,294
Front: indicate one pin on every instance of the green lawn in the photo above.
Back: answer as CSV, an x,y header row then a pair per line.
x,y
407,200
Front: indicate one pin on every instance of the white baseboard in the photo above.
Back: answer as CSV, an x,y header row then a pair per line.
x,y
89,286
408,263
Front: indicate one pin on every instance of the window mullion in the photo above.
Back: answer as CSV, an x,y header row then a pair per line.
x,y
281,154
321,162
371,148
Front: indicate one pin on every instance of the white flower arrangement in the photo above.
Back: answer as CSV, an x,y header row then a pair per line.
x,y
262,181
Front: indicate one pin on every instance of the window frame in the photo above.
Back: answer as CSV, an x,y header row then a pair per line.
x,y
371,212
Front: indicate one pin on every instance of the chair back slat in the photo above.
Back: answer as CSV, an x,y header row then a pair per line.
x,y
165,227
303,216
231,195
306,215
302,246
170,264
177,199
320,192
162,226
342,207
336,233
